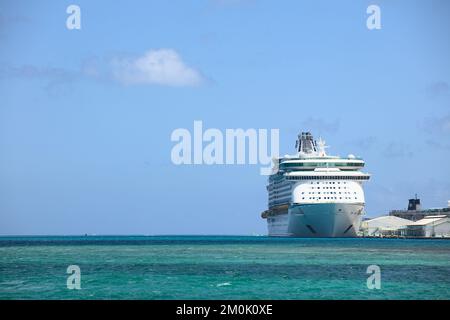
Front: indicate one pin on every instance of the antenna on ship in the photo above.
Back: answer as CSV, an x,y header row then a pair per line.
x,y
322,147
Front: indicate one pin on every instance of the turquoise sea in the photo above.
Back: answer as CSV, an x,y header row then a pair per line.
x,y
222,267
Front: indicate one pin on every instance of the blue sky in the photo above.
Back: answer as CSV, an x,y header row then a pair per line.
x,y
85,140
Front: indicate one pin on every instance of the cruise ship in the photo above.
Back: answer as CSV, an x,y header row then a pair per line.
x,y
312,194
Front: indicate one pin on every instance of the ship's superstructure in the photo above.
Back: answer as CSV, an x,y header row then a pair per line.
x,y
415,211
312,194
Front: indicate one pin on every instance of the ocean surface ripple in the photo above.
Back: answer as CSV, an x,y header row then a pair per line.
x,y
222,267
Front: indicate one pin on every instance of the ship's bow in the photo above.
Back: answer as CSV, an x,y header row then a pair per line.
x,y
325,219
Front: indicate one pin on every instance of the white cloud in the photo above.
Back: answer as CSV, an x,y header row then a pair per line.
x,y
438,88
155,67
319,125
439,126
444,124
162,67
398,150
223,3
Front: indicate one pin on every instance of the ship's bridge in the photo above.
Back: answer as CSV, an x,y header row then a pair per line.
x,y
327,174
345,164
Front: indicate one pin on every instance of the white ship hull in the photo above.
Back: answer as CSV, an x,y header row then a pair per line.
x,y
318,220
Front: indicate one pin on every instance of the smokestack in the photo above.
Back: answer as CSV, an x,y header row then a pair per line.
x,y
414,204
